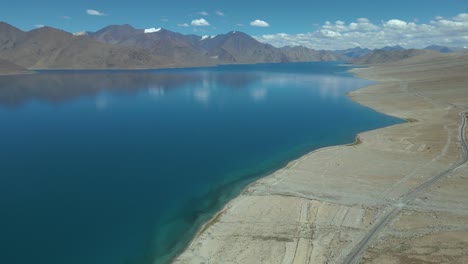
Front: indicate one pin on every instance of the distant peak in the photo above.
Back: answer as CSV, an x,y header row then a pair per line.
x,y
238,33
49,29
396,47
6,25
124,26
152,30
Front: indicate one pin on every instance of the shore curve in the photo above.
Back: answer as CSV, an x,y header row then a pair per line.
x,y
319,208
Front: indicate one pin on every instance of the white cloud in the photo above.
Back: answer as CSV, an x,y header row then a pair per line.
x,y
203,13
200,22
164,20
39,25
259,23
183,25
362,32
461,17
329,33
93,12
219,13
361,24
395,24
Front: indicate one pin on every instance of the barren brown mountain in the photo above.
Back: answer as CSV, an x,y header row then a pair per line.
x,y
52,48
387,56
122,46
176,48
300,53
7,67
238,47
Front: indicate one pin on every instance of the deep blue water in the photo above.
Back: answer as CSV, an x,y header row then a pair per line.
x,y
121,167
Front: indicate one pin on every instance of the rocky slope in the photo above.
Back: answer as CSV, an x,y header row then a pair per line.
x,y
7,67
233,47
52,48
122,46
300,53
175,48
388,56
356,52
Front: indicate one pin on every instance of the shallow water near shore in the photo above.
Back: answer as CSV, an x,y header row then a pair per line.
x,y
115,167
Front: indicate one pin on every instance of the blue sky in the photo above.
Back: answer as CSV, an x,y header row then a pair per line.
x,y
210,17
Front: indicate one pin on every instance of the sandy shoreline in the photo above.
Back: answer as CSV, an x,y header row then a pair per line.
x,y
321,206
17,73
290,164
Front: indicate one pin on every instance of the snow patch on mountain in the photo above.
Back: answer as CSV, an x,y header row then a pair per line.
x,y
152,30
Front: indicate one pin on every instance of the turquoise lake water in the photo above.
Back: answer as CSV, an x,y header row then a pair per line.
x,y
122,167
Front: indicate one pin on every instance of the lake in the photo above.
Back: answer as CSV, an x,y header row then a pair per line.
x,y
123,167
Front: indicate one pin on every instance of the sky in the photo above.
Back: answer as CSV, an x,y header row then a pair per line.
x,y
324,24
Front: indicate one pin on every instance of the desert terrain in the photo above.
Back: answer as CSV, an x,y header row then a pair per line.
x,y
397,195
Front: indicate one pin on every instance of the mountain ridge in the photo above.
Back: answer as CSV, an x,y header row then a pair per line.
x,y
51,48
389,55
125,47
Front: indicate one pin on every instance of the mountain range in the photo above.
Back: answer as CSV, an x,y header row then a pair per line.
x,y
122,46
441,49
125,47
388,56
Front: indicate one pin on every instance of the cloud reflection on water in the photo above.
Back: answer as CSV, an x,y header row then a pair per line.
x,y
59,87
330,86
156,91
62,86
102,102
259,93
201,95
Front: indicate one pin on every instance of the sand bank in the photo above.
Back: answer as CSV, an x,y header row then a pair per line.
x,y
321,207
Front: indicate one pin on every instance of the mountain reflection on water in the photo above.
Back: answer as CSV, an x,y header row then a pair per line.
x,y
62,86
58,86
